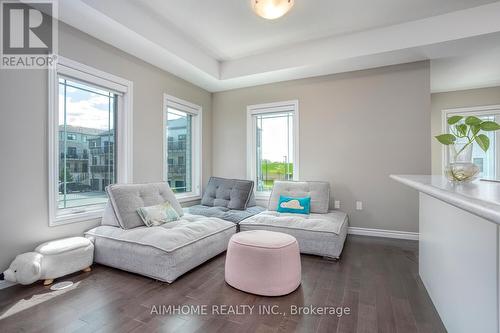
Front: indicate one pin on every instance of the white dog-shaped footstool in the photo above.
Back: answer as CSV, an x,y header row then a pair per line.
x,y
52,260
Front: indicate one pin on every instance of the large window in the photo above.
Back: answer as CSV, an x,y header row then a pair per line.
x,y
89,130
272,144
182,147
489,162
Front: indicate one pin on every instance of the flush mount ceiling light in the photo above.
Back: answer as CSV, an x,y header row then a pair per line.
x,y
271,9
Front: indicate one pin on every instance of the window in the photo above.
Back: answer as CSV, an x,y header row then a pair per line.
x,y
92,110
272,135
71,152
87,109
489,162
182,147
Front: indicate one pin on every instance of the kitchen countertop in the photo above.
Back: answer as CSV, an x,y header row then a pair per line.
x,y
481,198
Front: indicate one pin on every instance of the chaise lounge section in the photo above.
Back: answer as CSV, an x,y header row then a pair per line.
x,y
322,232
162,252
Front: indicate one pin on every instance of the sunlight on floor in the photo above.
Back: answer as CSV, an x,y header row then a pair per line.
x,y
35,300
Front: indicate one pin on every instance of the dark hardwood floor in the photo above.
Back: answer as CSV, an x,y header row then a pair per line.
x,y
376,279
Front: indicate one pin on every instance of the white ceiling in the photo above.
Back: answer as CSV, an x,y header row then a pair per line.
x,y
479,69
222,45
229,29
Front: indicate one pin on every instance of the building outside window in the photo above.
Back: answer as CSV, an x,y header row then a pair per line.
x,y
182,145
179,148
273,144
80,186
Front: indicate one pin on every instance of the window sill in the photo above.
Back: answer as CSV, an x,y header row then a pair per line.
x,y
262,195
76,217
187,197
97,213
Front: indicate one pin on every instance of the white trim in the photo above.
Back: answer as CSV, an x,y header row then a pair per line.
x,y
472,109
124,132
276,106
252,110
383,233
475,110
181,104
187,197
92,75
196,145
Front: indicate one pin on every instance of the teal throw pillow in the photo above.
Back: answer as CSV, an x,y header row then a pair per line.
x,y
294,205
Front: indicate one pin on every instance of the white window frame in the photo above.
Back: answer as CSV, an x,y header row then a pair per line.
x,y
124,89
196,144
468,111
291,106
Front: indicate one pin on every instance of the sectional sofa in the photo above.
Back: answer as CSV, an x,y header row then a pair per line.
x,y
166,252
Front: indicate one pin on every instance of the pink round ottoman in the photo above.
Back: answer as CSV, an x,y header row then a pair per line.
x,y
263,262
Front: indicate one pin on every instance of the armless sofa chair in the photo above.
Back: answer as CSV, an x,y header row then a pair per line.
x,y
162,252
228,199
322,232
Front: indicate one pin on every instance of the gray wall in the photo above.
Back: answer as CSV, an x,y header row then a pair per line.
x,y
23,137
456,99
355,130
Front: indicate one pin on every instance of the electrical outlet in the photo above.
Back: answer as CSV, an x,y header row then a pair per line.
x,y
359,205
337,204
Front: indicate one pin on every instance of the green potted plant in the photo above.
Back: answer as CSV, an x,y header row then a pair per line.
x,y
464,131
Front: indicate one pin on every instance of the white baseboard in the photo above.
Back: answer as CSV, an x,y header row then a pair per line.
x,y
383,233
5,284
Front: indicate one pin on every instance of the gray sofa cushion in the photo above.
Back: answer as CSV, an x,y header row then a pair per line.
x,y
252,202
318,234
162,252
109,216
330,222
167,237
230,193
318,191
126,198
231,215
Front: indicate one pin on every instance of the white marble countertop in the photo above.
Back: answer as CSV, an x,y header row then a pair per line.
x,y
481,198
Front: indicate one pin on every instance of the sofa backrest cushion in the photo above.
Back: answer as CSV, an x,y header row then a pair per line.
x,y
126,198
252,202
318,191
230,193
109,216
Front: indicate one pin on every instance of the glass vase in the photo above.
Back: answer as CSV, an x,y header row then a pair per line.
x,y
460,168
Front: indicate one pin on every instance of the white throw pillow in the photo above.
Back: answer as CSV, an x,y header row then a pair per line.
x,y
158,214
